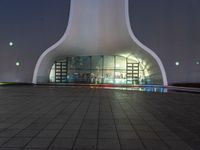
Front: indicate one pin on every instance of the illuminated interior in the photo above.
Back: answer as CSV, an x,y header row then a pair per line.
x,y
102,70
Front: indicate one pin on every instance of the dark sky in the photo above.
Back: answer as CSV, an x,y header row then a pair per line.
x,y
172,29
174,22
167,26
171,24
33,25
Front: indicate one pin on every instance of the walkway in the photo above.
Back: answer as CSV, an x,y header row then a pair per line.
x,y
83,118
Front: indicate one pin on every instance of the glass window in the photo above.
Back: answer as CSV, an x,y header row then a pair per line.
x,y
108,62
108,76
71,63
120,76
78,62
96,76
120,62
83,62
70,76
95,69
97,62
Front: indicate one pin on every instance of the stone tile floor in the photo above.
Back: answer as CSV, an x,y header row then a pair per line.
x,y
81,118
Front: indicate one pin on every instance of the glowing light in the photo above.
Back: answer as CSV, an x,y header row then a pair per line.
x,y
177,63
133,58
197,62
11,44
146,73
140,60
17,63
144,63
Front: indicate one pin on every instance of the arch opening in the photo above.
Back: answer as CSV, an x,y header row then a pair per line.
x,y
113,69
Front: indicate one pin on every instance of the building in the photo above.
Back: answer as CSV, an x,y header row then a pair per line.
x,y
100,47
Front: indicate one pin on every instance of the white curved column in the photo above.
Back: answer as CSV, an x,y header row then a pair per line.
x,y
97,27
153,54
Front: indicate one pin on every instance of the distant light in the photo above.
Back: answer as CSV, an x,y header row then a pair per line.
x,y
177,63
144,63
197,62
117,65
17,63
11,44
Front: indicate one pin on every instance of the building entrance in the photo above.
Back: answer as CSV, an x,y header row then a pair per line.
x,y
132,73
99,70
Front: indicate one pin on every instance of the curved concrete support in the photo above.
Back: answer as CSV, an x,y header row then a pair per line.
x,y
98,27
39,70
164,77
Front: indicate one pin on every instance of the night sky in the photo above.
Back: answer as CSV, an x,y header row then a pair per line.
x,y
172,29
33,25
166,26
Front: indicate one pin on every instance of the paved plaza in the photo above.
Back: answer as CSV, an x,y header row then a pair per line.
x,y
83,118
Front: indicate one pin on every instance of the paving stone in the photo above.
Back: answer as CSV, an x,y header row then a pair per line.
x,y
4,148
92,134
39,143
178,144
27,133
3,140
111,144
16,142
108,135
132,144
127,135
168,135
148,135
41,117
8,133
155,144
144,128
68,134
89,144
62,143
47,133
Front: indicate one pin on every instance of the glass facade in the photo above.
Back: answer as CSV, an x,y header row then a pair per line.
x,y
98,70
